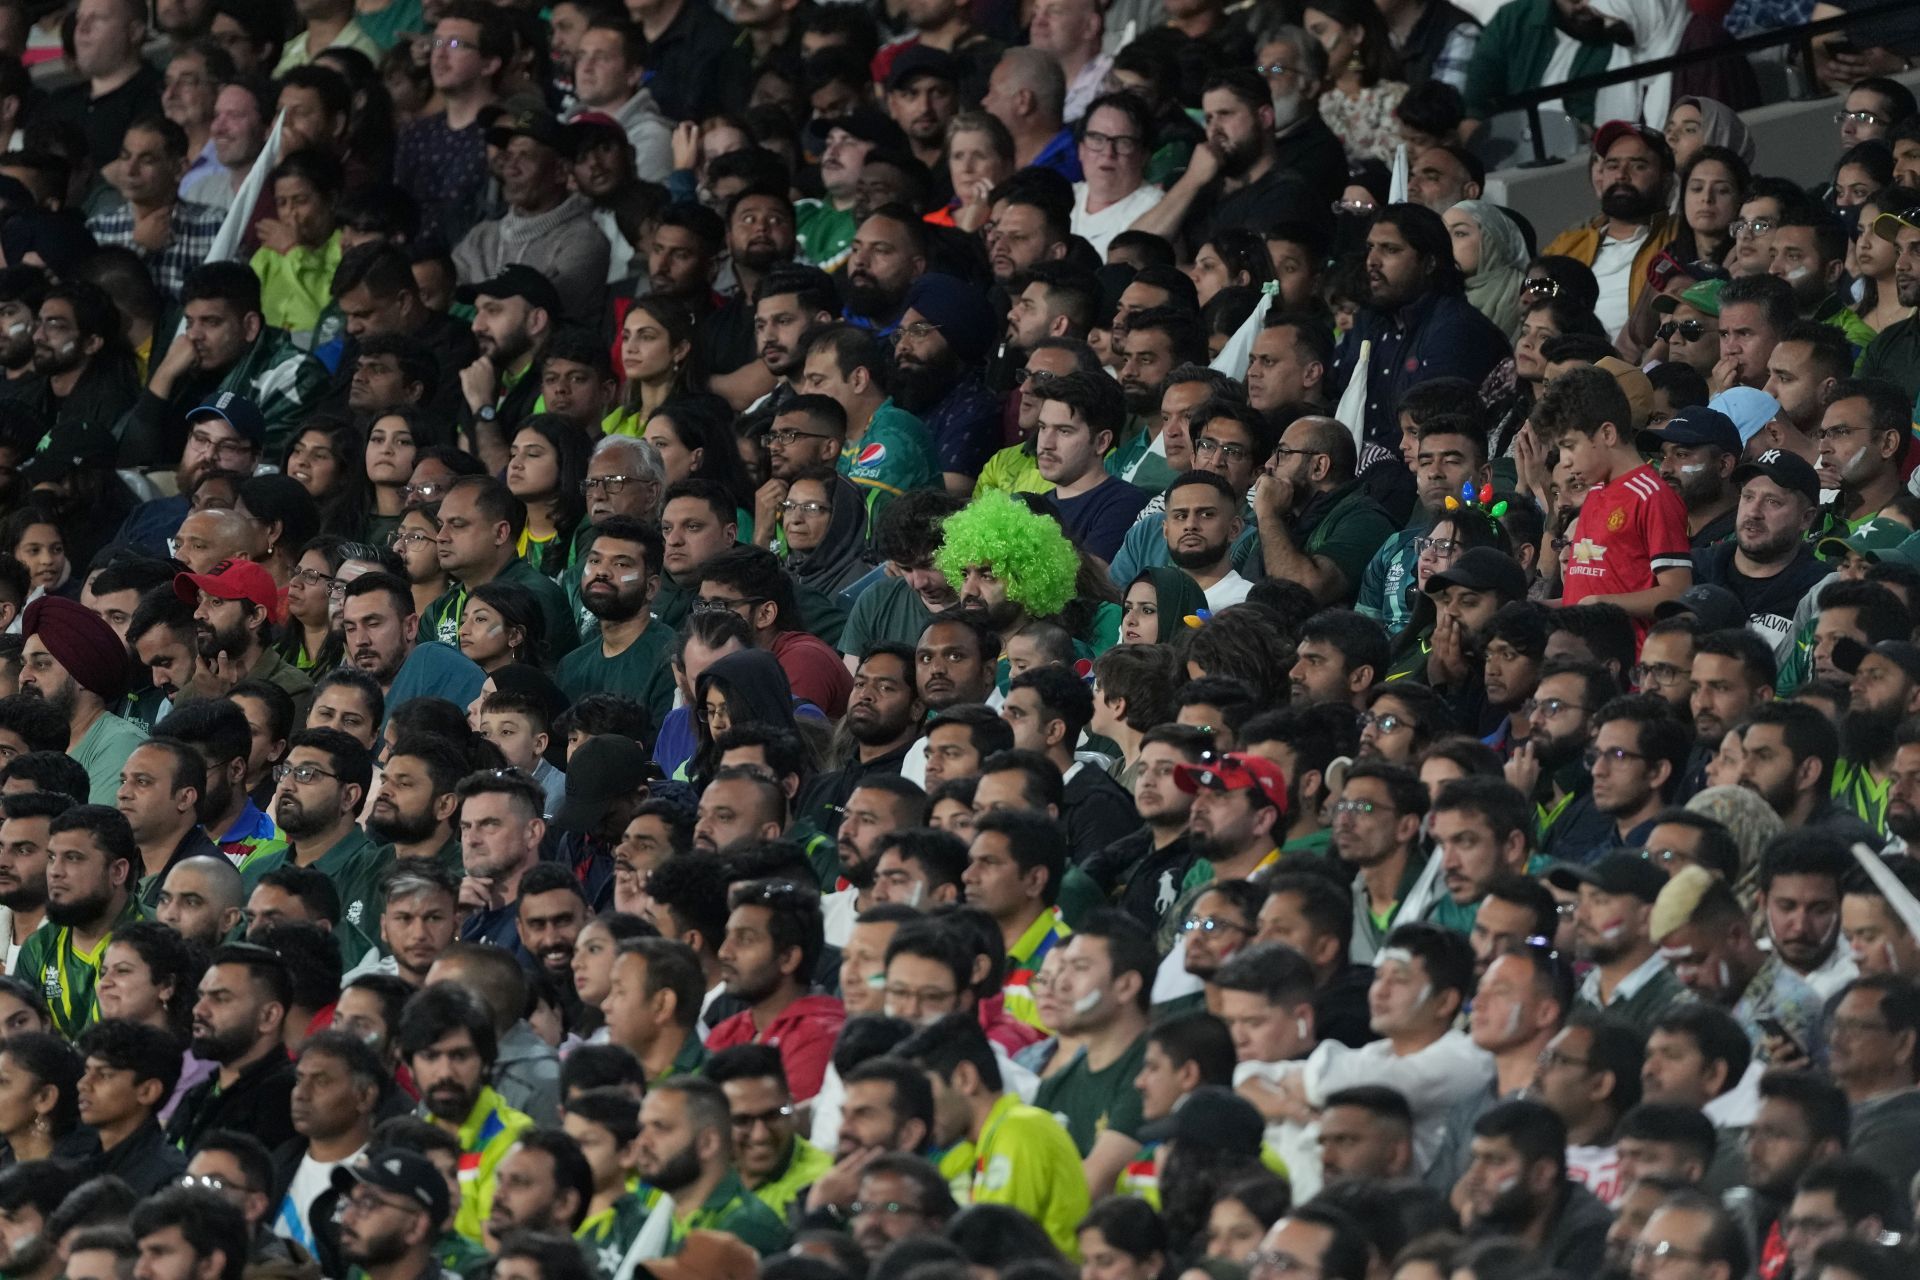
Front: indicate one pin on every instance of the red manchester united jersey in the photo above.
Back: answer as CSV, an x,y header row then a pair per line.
x,y
1628,531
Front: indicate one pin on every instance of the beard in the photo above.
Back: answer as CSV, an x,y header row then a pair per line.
x,y
297,821
30,896
402,828
1590,27
16,353
1903,822
1628,203
1286,110
450,1101
860,872
1510,1211
1555,753
217,641
504,352
1199,557
866,296
225,1046
1140,399
762,257
80,910
919,386
1771,549
998,616
1235,157
678,1171
62,701
1867,734
374,1250
870,729
618,605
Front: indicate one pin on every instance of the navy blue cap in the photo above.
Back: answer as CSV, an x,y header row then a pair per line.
x,y
1692,426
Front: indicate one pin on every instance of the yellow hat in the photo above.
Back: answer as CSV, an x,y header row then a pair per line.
x,y
1679,900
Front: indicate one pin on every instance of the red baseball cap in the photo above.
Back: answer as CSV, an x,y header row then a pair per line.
x,y
232,580
1235,771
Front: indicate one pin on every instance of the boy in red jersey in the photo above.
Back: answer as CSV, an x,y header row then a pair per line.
x,y
1630,542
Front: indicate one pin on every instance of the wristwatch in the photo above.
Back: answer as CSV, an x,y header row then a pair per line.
x,y
487,413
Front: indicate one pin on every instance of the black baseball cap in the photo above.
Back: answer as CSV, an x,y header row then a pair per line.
x,y
517,281
863,123
537,125
1692,426
1620,872
1483,569
401,1173
1717,608
922,60
1788,470
1849,653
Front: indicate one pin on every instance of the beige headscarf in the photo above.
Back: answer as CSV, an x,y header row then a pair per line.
x,y
1721,126
1752,823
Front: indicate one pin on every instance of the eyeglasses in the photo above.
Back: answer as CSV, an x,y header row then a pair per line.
x,y
452,43
427,492
1645,1252
612,486
212,1182
1268,1265
1385,722
1038,377
1662,674
1859,117
1288,451
1612,755
785,436
1353,208
1565,910
1439,546
227,448
1691,330
311,577
1119,144
1823,434
1855,1027
404,538
721,604
789,506
1359,808
919,331
1744,227
891,1208
1551,707
1211,924
745,1120
924,996
1274,70
360,1204
1230,451
301,773
1545,286
1551,1058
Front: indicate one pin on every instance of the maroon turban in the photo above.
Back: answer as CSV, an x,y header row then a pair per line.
x,y
81,642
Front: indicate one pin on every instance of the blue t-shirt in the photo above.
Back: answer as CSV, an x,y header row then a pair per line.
x,y
1098,520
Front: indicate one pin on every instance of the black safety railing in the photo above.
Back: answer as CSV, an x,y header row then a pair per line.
x,y
1531,100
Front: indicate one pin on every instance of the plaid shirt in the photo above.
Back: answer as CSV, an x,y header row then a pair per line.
x,y
191,229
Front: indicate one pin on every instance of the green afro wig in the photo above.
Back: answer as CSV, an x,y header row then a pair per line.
x,y
1026,551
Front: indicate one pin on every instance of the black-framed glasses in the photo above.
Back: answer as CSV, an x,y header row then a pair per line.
x,y
1211,924
1691,330
1661,674
1119,144
1289,451
424,492
1231,451
784,436
1612,755
1384,722
723,604
890,1208
1439,546
919,331
1740,228
612,486
745,1120
212,1182
301,773
1551,707
1038,377
311,577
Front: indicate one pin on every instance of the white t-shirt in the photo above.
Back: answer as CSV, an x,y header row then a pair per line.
x,y
1227,592
309,1180
1613,270
1098,229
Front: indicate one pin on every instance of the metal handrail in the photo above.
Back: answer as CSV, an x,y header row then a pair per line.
x,y
1531,100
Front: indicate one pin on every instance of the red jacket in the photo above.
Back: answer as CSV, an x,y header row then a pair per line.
x,y
803,1033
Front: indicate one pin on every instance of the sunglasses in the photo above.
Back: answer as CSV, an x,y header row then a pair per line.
x,y
1691,330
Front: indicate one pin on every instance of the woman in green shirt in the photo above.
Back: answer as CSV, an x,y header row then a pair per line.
x,y
547,470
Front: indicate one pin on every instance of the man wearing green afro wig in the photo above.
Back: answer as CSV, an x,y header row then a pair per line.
x,y
1008,563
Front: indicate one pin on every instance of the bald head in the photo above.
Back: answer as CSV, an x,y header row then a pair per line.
x,y
201,899
208,537
1327,436
1031,71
